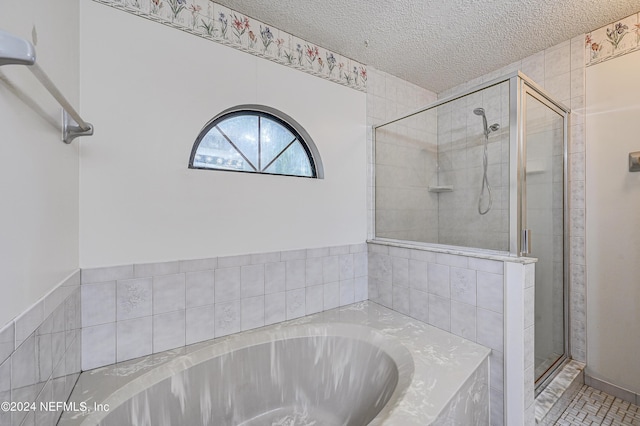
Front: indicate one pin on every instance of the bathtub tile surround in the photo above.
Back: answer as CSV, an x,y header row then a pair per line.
x,y
136,310
133,298
462,293
135,337
458,366
214,22
99,303
40,353
101,338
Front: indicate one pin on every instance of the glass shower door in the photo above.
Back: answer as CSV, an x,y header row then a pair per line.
x,y
544,144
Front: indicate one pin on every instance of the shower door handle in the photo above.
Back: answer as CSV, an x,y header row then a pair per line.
x,y
525,246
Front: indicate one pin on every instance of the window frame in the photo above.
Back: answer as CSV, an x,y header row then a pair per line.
x,y
275,115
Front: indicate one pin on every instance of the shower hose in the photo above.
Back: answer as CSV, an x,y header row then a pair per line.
x,y
485,179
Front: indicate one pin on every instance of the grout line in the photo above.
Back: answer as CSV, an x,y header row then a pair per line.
x,y
584,400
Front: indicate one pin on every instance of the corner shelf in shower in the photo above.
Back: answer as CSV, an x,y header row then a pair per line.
x,y
441,188
535,171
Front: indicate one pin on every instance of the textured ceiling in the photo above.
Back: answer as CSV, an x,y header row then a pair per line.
x,y
436,44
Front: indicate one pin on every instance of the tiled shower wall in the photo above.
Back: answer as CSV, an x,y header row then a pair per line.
x,y
406,165
40,355
130,311
444,147
460,164
388,98
561,71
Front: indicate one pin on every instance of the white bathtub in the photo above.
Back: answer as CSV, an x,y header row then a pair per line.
x,y
357,365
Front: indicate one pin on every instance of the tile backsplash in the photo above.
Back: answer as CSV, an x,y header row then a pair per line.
x,y
130,311
40,354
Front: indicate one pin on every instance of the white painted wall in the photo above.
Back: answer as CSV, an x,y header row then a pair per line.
x,y
38,173
613,222
150,89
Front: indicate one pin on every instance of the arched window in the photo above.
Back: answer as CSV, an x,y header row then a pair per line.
x,y
256,139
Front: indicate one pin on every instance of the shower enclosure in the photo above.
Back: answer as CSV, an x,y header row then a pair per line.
x,y
485,171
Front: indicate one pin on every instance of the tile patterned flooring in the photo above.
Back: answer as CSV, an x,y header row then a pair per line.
x,y
592,407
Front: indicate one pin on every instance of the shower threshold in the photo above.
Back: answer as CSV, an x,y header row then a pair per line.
x,y
555,397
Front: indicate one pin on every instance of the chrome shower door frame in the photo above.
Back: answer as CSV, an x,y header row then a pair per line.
x,y
521,86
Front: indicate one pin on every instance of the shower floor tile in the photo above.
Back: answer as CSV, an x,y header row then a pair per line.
x,y
593,407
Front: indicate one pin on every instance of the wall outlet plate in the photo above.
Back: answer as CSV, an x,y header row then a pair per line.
x,y
634,161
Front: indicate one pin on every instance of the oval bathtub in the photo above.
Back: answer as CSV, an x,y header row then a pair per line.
x,y
355,365
315,374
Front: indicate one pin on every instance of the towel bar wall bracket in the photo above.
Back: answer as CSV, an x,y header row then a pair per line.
x,y
70,129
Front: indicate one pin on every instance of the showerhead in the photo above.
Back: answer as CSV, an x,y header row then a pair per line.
x,y
480,111
487,129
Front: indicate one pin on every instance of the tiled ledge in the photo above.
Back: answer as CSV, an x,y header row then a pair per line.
x,y
458,251
136,310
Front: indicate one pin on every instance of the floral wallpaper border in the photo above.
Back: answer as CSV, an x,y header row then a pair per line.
x,y
212,21
613,40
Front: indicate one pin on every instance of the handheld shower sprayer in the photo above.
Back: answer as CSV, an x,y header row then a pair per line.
x,y
485,161
487,129
480,112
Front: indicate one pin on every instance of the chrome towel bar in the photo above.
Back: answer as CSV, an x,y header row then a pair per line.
x,y
17,51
